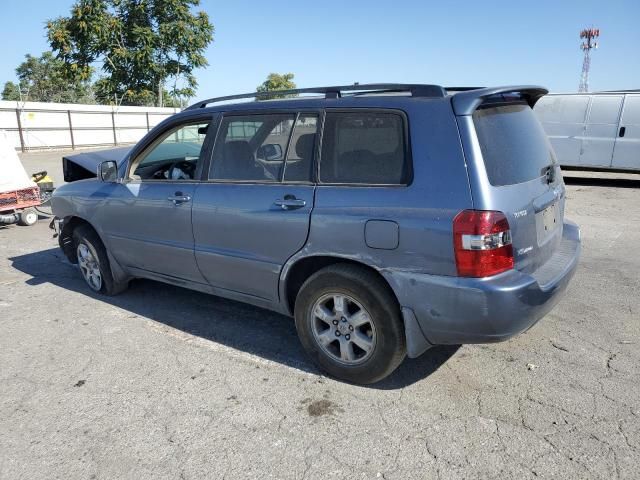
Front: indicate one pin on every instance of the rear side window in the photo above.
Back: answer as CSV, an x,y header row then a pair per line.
x,y
514,146
251,148
364,148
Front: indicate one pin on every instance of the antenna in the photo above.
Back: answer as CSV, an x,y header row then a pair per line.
x,y
588,35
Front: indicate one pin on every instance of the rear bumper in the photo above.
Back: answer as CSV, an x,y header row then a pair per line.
x,y
455,310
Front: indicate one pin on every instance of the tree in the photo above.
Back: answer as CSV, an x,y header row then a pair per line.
x,y
141,45
275,81
44,79
11,91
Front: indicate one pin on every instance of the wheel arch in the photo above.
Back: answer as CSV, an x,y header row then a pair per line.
x,y
299,271
70,224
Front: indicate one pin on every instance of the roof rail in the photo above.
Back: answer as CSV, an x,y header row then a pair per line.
x,y
416,90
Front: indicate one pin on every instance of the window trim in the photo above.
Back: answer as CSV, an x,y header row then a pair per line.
x,y
407,147
316,144
152,141
255,112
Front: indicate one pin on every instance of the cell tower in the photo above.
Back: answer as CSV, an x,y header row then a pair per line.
x,y
588,35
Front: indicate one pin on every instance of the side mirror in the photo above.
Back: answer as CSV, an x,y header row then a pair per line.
x,y
270,152
108,171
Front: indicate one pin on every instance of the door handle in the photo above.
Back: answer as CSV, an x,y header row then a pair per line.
x,y
622,131
179,198
290,203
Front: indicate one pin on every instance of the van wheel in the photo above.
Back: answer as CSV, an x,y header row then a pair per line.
x,y
27,217
94,263
349,323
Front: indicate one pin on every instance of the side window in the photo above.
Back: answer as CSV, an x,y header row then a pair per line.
x,y
302,149
174,157
251,147
364,148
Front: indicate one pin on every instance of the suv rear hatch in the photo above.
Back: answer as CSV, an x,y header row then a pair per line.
x,y
513,169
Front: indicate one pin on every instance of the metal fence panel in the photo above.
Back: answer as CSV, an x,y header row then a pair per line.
x,y
33,126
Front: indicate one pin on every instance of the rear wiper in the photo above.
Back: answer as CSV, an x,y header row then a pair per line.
x,y
549,173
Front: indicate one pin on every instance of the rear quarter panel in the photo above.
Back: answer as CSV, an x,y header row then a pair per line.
x,y
423,210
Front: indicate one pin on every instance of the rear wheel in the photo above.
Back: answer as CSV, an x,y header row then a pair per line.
x,y
28,217
349,323
94,262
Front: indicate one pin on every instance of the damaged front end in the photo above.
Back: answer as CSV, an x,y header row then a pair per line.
x,y
85,165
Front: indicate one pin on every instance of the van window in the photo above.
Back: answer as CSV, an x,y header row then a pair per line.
x,y
364,148
514,146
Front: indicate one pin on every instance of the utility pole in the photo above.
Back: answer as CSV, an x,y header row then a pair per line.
x,y
588,36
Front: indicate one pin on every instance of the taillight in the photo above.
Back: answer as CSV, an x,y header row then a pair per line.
x,y
482,243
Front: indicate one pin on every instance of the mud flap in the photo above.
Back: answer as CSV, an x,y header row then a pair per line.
x,y
417,343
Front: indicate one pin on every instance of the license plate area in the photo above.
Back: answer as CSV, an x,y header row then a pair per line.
x,y
547,222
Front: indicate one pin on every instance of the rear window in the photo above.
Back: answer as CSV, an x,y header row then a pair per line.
x,y
364,148
514,146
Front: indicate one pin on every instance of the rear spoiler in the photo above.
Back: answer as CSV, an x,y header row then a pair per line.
x,y
466,102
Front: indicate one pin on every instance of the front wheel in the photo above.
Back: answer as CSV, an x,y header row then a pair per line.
x,y
94,262
349,322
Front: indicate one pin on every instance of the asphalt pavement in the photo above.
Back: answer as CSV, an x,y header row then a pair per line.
x,y
166,383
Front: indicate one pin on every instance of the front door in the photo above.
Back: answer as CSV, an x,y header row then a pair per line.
x,y
254,212
147,218
601,131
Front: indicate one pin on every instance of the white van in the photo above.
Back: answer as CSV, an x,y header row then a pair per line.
x,y
593,130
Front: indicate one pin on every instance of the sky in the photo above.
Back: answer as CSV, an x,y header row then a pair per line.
x,y
329,42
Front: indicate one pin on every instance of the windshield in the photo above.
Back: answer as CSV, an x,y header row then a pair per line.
x,y
514,146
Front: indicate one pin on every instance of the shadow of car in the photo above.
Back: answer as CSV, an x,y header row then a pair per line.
x,y
237,325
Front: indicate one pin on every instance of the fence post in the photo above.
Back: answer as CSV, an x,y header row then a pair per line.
x,y
73,143
147,115
22,146
113,123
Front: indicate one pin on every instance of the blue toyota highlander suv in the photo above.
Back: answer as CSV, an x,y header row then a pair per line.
x,y
385,218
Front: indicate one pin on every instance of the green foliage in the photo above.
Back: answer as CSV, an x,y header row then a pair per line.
x,y
45,79
276,81
142,46
11,91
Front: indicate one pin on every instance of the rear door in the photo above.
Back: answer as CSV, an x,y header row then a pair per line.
x,y
627,150
253,213
601,131
519,176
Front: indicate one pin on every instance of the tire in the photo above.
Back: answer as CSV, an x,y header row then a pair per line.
x,y
94,262
369,340
28,217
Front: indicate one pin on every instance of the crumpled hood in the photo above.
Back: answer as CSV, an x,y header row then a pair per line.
x,y
85,165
